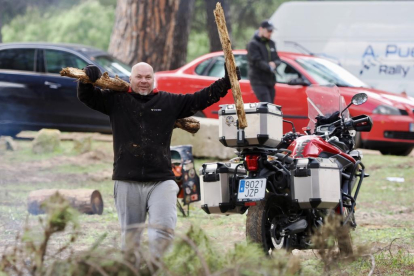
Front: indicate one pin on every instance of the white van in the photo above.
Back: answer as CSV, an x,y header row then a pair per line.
x,y
374,40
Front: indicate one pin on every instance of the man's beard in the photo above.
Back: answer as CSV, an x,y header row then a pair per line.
x,y
144,93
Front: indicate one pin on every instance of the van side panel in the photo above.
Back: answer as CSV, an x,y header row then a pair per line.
x,y
373,40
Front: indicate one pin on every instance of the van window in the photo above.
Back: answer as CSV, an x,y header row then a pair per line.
x,y
286,73
17,59
56,60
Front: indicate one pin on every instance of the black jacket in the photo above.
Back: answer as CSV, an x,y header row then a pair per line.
x,y
142,126
259,58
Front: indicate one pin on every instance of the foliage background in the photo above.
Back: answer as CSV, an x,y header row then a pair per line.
x,y
90,22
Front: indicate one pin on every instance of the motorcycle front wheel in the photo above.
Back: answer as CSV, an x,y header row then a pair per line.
x,y
264,223
344,237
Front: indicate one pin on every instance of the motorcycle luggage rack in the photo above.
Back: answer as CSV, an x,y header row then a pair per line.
x,y
348,195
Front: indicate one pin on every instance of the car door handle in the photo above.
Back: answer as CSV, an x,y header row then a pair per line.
x,y
53,85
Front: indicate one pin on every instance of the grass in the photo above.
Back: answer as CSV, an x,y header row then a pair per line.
x,y
384,210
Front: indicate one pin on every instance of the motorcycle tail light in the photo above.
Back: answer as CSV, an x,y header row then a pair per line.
x,y
252,162
252,203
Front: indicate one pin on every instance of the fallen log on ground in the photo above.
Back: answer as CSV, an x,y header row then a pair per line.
x,y
86,201
188,124
230,64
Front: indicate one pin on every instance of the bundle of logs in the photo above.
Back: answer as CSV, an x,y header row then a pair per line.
x,y
188,124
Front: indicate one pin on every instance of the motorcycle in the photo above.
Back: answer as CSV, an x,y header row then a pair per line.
x,y
289,183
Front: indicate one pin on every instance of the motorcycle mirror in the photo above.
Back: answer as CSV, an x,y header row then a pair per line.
x,y
359,98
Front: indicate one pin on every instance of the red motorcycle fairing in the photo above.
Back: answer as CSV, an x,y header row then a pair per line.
x,y
313,146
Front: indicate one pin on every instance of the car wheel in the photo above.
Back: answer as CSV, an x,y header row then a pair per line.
x,y
404,151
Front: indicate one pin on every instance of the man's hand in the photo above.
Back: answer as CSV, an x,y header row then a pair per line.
x,y
92,72
226,74
272,65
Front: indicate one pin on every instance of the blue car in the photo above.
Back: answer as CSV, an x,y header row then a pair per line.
x,y
33,95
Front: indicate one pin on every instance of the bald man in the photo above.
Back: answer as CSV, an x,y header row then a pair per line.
x,y
142,122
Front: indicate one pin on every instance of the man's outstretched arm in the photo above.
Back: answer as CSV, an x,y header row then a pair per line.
x,y
189,104
94,97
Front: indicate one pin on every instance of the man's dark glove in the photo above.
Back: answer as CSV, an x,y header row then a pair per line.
x,y
226,74
92,72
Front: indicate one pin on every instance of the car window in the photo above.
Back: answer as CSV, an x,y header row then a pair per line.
x,y
216,68
17,59
325,72
286,73
241,61
202,67
113,66
56,60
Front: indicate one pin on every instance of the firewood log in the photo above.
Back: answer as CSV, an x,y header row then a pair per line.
x,y
188,124
230,64
86,201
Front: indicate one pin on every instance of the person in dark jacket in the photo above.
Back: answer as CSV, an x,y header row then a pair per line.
x,y
263,59
142,123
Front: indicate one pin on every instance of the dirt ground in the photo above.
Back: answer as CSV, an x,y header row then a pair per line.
x,y
19,177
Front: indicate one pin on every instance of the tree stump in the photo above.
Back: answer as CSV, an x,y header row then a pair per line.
x,y
86,201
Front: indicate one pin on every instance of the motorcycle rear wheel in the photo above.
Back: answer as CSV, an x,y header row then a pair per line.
x,y
262,224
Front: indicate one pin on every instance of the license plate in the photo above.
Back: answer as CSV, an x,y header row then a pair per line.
x,y
252,189
411,127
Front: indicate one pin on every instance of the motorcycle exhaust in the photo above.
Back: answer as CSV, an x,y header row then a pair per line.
x,y
296,227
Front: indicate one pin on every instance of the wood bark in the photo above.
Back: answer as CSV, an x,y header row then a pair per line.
x,y
105,81
86,201
230,65
144,31
213,35
181,33
188,124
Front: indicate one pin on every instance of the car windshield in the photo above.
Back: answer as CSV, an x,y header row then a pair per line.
x,y
325,72
113,66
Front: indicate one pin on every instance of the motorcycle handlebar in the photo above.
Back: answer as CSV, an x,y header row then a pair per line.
x,y
358,123
362,123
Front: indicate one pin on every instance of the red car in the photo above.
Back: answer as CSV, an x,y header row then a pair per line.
x,y
392,114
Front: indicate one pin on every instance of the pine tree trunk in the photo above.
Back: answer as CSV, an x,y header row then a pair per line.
x,y
181,33
215,44
144,31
